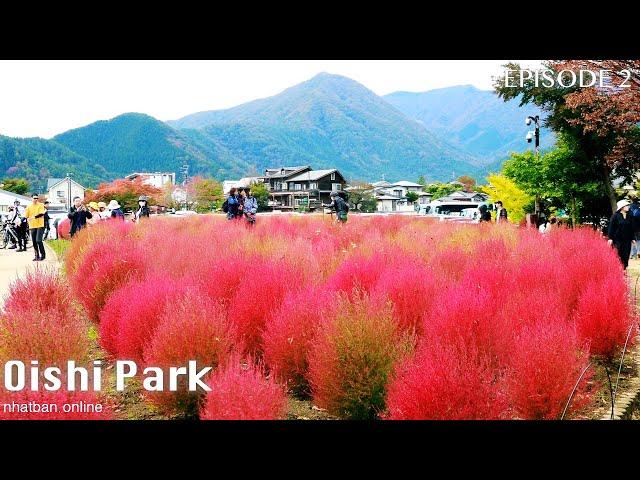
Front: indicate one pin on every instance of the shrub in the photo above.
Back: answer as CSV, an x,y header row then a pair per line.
x,y
260,292
192,327
352,356
39,322
603,315
288,334
132,313
240,391
445,381
55,402
544,365
357,274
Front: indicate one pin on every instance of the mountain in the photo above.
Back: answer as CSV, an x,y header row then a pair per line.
x,y
477,121
36,159
136,142
329,121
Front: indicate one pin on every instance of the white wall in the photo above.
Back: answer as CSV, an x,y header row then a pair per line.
x,y
63,188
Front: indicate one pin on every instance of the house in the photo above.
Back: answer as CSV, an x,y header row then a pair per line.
x,y
292,188
460,196
7,198
392,197
156,179
62,191
227,185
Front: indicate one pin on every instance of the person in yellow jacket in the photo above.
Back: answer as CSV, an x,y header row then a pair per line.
x,y
34,214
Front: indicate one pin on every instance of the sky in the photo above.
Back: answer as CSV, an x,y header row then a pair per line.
x,y
45,98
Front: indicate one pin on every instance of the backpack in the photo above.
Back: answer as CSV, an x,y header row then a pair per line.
x,y
225,206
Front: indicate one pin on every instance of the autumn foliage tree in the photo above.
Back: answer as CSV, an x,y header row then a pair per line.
x,y
602,119
126,192
204,192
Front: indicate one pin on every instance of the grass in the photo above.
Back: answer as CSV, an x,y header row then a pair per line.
x,y
59,246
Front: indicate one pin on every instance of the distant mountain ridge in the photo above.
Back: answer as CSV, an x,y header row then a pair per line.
x,y
327,121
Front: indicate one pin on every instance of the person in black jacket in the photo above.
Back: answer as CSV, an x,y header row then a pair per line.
x,y
621,231
78,216
143,209
47,221
339,206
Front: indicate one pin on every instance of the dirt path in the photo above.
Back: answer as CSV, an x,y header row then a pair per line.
x,y
14,264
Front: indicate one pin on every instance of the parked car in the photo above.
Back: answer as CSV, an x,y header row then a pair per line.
x,y
452,211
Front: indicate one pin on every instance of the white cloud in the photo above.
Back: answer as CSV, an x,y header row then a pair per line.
x,y
44,98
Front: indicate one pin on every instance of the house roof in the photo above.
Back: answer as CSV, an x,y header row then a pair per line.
x,y
288,171
382,183
312,175
404,183
137,174
388,197
15,196
52,182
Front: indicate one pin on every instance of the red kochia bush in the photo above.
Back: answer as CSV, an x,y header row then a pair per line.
x,y
603,315
288,334
192,327
40,322
240,391
262,289
58,399
446,381
357,273
105,266
544,366
132,313
352,356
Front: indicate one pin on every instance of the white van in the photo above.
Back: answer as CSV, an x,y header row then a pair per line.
x,y
453,211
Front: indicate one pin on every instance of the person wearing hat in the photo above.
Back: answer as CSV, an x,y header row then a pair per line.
x,y
35,216
143,209
78,216
95,212
116,211
20,226
621,231
340,206
103,212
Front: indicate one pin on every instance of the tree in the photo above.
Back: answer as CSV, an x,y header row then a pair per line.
x,y
516,201
439,190
412,197
205,193
362,198
468,182
16,185
126,192
260,191
559,177
602,121
422,181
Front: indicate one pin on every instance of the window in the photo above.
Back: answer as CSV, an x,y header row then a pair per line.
x,y
313,186
60,193
336,187
333,176
284,186
298,186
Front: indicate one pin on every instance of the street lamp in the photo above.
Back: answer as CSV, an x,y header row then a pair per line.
x,y
69,190
530,136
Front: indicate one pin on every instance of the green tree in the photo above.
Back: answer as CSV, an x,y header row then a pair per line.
x,y
422,181
515,200
439,190
16,185
560,178
361,197
204,192
412,197
261,193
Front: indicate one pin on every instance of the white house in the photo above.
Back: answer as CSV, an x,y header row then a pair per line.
x,y
460,196
392,197
156,179
227,185
7,199
62,191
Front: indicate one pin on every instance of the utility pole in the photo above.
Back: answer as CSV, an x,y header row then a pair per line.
x,y
69,190
536,135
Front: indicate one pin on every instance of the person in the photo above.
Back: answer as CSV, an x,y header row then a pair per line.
x,y
19,223
340,206
485,214
501,212
78,216
35,216
232,204
250,206
94,209
116,211
143,209
103,211
620,233
546,225
240,196
634,211
47,221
